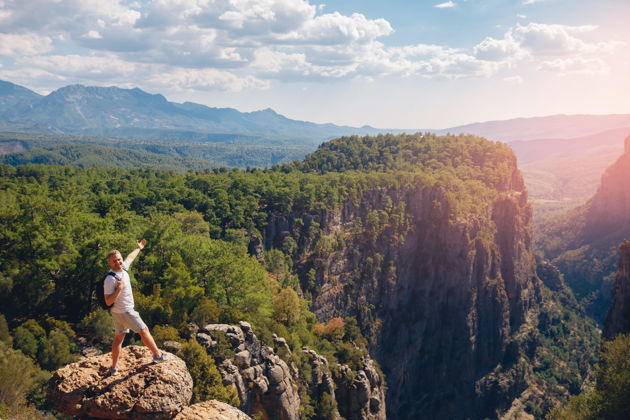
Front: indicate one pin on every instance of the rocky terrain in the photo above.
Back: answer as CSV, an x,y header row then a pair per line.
x,y
141,390
618,319
442,305
268,385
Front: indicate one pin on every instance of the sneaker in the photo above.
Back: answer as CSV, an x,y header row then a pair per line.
x,y
161,358
112,371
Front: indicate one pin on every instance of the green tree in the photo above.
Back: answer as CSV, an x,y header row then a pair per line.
x,y
206,377
25,341
100,326
18,374
206,312
55,351
325,408
5,337
286,307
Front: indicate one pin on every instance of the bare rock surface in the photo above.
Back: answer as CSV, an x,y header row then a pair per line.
x,y
263,380
141,390
211,410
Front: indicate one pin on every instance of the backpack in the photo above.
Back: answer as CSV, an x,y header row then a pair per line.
x,y
100,291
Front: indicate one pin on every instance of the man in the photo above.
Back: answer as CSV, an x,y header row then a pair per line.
x,y
118,293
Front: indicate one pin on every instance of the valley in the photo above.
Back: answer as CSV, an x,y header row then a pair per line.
x,y
443,276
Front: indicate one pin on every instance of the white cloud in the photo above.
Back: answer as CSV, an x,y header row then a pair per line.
x,y
109,70
24,44
335,28
527,2
93,35
548,40
205,79
242,44
575,65
445,5
492,49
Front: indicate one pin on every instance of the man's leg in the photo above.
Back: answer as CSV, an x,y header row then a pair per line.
x,y
116,347
147,340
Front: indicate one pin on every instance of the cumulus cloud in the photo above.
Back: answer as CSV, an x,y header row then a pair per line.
x,y
541,39
573,65
445,5
492,49
24,44
245,44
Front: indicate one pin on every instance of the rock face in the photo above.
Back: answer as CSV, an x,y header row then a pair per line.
x,y
591,233
618,319
609,209
268,386
441,302
141,390
263,380
211,410
362,397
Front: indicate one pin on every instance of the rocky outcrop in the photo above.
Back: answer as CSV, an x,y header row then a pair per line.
x,y
141,390
211,410
264,381
361,396
268,384
618,319
440,301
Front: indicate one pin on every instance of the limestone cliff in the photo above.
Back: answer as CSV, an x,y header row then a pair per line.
x,y
268,385
618,319
440,299
608,216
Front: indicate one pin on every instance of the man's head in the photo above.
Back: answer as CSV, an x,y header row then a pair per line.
x,y
115,260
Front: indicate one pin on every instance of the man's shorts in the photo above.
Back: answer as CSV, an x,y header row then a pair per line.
x,y
123,322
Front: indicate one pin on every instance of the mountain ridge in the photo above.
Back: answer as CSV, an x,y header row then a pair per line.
x,y
113,111
24,109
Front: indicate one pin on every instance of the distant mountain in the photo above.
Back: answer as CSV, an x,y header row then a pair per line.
x,y
550,127
584,242
133,113
560,169
15,99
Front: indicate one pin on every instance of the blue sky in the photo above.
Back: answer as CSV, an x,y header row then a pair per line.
x,y
396,64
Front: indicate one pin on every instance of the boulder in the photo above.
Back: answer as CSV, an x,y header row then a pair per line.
x,y
141,390
211,410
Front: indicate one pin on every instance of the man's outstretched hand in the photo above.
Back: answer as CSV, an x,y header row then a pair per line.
x,y
142,243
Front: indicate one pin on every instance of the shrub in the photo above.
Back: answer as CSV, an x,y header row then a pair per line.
x,y
207,382
162,333
18,374
100,325
206,312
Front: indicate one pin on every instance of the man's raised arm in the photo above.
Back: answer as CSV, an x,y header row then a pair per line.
x,y
133,254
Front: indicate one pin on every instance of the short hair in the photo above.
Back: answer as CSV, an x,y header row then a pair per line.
x,y
112,253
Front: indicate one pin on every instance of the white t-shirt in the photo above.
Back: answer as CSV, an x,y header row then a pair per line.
x,y
124,302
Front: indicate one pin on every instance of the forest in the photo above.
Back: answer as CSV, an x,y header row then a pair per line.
x,y
58,222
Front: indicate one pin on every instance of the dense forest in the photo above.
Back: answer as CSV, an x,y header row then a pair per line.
x,y
178,154
57,224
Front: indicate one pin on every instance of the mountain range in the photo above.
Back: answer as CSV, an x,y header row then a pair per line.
x,y
561,156
134,113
